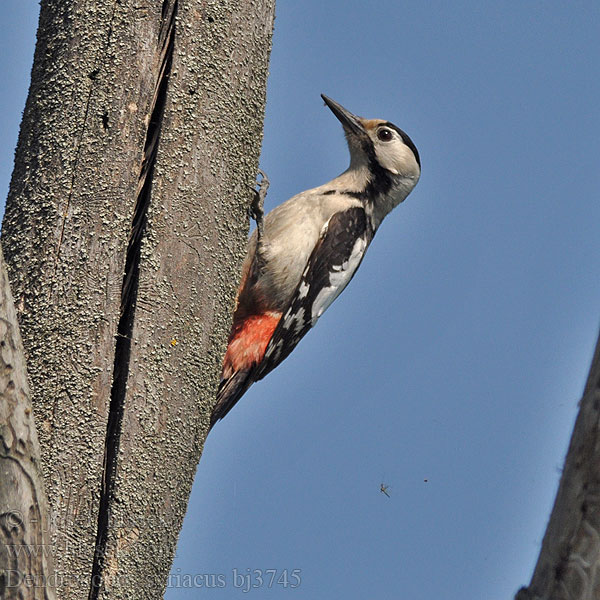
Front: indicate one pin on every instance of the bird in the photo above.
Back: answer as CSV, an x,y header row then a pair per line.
x,y
305,251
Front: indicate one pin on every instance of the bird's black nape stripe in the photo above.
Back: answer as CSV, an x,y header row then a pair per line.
x,y
406,139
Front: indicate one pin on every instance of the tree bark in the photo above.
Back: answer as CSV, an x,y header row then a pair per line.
x,y
568,567
124,232
26,571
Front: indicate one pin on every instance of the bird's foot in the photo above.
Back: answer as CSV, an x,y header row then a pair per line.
x,y
256,210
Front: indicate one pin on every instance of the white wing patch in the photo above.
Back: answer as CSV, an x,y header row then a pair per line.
x,y
339,276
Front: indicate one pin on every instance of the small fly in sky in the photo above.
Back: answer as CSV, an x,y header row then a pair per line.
x,y
384,489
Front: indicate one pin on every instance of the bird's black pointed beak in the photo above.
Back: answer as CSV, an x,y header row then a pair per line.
x,y
350,122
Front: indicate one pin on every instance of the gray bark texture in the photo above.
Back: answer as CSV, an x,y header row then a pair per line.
x,y
125,228
568,567
26,571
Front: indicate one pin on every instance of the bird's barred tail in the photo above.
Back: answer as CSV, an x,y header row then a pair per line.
x,y
231,389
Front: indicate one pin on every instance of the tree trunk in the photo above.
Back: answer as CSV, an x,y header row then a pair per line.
x,y
124,232
568,567
26,571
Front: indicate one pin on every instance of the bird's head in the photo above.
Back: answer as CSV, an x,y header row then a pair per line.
x,y
384,161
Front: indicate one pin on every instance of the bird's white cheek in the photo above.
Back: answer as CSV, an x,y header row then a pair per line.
x,y
390,158
397,159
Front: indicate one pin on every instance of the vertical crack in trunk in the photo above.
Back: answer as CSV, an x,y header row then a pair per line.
x,y
128,300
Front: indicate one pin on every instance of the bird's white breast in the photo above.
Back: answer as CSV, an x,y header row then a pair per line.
x,y
291,231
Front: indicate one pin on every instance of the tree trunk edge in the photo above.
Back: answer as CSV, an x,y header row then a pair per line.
x,y
568,566
26,556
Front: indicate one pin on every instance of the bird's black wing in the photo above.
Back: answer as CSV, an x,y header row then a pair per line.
x,y
330,267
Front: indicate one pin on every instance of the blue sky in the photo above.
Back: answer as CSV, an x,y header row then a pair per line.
x,y
451,367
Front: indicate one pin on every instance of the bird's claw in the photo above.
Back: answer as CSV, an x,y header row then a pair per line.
x,y
256,209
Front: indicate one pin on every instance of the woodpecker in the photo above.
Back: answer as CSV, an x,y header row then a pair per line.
x,y
306,250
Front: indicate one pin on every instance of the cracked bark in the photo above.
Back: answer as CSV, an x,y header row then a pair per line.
x,y
568,567
138,149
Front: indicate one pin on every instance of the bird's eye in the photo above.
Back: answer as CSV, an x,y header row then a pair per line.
x,y
384,134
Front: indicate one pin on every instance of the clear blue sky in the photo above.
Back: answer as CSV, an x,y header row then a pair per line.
x,y
458,353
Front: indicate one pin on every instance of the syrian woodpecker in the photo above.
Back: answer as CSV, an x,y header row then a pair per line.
x,y
307,250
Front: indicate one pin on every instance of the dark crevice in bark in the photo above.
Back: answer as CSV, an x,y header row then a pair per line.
x,y
128,300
